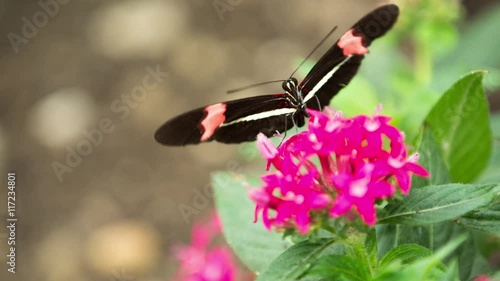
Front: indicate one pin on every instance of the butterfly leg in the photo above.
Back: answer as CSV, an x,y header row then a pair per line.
x,y
317,100
284,136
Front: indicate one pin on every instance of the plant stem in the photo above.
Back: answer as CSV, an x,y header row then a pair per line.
x,y
423,62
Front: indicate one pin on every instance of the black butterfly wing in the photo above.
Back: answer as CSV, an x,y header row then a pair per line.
x,y
338,65
248,131
182,129
229,122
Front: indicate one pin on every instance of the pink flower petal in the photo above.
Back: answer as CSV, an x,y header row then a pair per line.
x,y
403,180
266,147
202,263
367,211
417,169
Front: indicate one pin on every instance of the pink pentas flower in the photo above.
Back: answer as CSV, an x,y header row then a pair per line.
x,y
328,133
482,278
287,198
361,160
359,190
199,261
268,151
373,130
401,167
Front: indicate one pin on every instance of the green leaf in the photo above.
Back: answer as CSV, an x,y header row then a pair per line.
x,y
255,246
337,267
424,268
438,203
431,159
296,260
487,219
451,272
372,247
460,122
470,261
441,233
387,238
391,235
405,253
492,174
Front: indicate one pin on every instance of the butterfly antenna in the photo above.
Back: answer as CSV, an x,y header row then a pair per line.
x,y
251,86
314,50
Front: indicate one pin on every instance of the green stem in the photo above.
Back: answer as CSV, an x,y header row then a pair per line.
x,y
329,229
431,237
423,62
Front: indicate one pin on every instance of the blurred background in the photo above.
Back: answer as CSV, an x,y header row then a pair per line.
x,y
85,83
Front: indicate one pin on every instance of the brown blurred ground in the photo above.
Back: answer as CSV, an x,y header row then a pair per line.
x,y
116,214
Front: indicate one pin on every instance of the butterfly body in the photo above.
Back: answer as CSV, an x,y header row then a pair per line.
x,y
242,120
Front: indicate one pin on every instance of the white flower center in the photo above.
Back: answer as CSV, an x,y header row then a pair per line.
x,y
316,144
316,123
395,162
213,272
359,188
313,138
299,199
332,125
372,125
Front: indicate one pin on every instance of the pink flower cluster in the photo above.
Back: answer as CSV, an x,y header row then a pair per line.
x,y
482,278
201,263
361,160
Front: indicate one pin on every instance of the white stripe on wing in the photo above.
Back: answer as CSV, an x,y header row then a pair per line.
x,y
324,80
261,115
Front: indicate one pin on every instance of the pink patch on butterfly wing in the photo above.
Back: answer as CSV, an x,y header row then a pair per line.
x,y
215,117
352,44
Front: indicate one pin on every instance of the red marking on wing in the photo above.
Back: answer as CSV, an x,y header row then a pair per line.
x,y
215,118
352,44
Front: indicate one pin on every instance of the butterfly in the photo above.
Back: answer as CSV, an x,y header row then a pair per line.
x,y
242,120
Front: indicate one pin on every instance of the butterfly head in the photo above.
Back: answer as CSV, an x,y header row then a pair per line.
x,y
290,85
